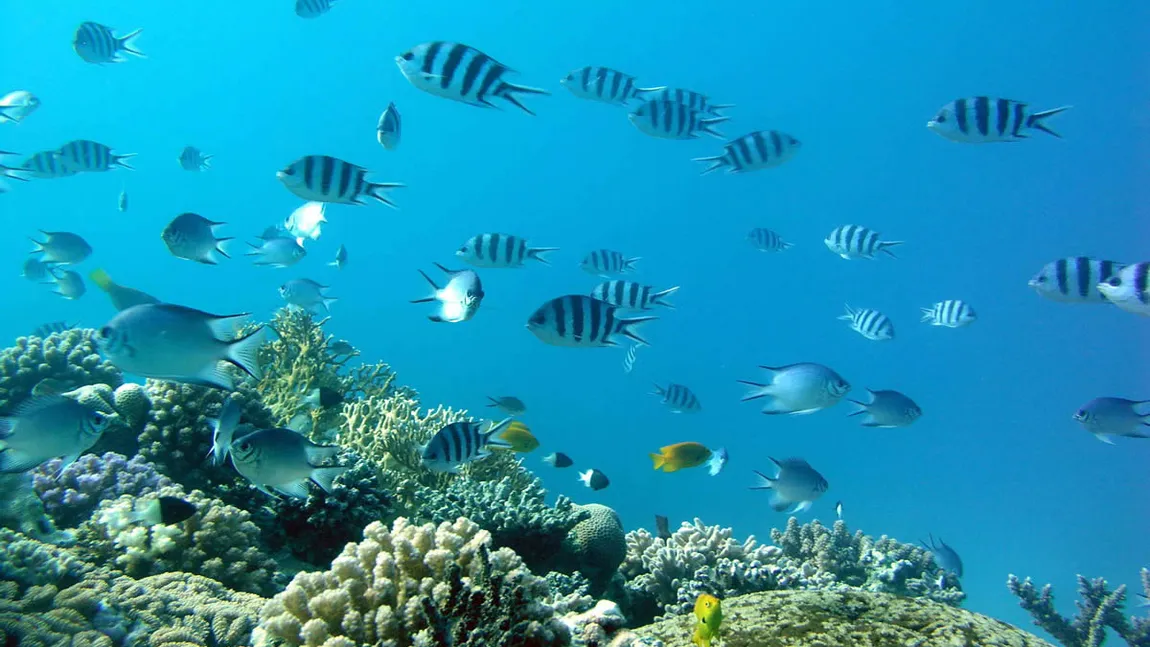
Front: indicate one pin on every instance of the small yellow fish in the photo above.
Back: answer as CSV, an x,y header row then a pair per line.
x,y
673,458
709,612
520,437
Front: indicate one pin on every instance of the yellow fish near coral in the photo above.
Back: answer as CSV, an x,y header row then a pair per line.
x,y
673,458
709,614
520,437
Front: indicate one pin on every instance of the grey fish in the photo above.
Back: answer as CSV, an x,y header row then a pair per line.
x,y
45,165
96,43
86,156
594,479
458,443
62,248
796,484
662,531
192,237
18,105
678,398
171,342
68,284
45,427
671,120
605,262
223,430
500,250
340,258
322,178
284,461
461,73
855,241
693,100
767,240
576,320
306,294
191,159
798,388
754,151
558,459
984,120
633,295
342,347
277,252
869,323
510,404
35,269
122,202
388,131
1108,417
312,8
951,313
944,555
604,85
122,297
887,409
1074,279
1129,289
459,300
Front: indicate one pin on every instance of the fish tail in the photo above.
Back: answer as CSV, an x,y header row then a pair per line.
x,y
629,264
719,107
1035,120
506,91
434,287
206,162
765,482
327,301
862,408
759,390
242,353
927,314
101,279
118,160
659,298
325,476
705,126
377,191
128,46
489,435
659,391
716,162
626,328
885,246
538,252
659,460
220,247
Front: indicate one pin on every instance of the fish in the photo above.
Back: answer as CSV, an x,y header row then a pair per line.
x,y
283,461
708,617
277,252
496,250
62,248
839,509
35,269
767,240
604,262
322,178
796,484
313,8
869,323
678,398
509,404
342,347
887,409
192,237
798,389
985,120
45,427
96,43
754,151
944,555
51,328
306,294
68,284
192,159
224,430
459,300
1108,417
633,295
717,462
558,459
461,73
306,221
389,128
1074,279
662,531
604,85
122,297
340,258
45,165
520,438
940,582
1129,289
86,156
323,397
673,458
857,242
164,510
671,120
951,313
122,201
458,443
693,100
578,321
629,358
172,342
17,105
11,172
594,479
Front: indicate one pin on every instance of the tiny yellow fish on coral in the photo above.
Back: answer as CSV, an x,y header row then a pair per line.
x,y
520,437
673,458
709,612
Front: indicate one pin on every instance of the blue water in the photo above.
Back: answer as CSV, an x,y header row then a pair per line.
x,y
996,466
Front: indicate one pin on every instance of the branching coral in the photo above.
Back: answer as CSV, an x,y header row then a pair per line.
x,y
66,359
29,562
1098,608
71,497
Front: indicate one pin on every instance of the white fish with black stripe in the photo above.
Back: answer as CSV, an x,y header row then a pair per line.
x,y
869,323
1129,289
752,152
45,165
678,398
312,8
767,240
459,300
693,100
283,461
86,156
986,120
389,128
605,262
459,443
495,250
604,85
855,241
193,159
633,295
461,73
951,313
670,120
1074,279
322,178
579,321
96,43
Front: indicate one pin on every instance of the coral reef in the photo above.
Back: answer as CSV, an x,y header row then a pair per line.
x,y
71,496
595,546
62,361
1098,608
22,510
132,403
30,562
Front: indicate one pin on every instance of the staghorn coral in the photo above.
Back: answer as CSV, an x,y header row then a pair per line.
x,y
66,359
71,496
1098,608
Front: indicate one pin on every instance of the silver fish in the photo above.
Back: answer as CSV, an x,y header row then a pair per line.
x,y
1108,417
277,252
459,300
1074,279
869,323
122,202
284,461
887,409
96,43
306,294
17,105
1129,289
796,484
944,555
678,398
62,248
510,404
458,443
223,430
752,152
340,258
192,159
461,73
306,222
192,237
798,388
984,120
855,241
322,178
68,283
500,250
579,321
951,313
629,358
693,100
45,427
839,509
388,130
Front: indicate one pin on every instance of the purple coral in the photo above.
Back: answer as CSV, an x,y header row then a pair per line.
x,y
83,485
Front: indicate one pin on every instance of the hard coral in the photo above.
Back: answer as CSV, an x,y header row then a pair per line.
x,y
66,359
595,546
1098,609
72,495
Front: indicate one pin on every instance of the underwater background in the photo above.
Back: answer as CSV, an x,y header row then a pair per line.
x,y
996,465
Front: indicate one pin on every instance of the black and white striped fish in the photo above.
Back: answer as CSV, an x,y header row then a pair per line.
x,y
389,128
580,321
767,240
1129,289
869,323
86,156
693,100
605,262
984,120
951,313
461,73
678,398
45,165
459,443
1074,279
605,85
855,241
670,120
500,250
193,159
312,8
321,178
633,295
629,358
95,43
752,152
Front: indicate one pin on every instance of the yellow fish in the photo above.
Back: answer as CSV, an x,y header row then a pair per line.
x,y
709,612
673,458
520,437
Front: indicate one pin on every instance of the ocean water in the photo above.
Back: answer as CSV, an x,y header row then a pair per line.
x,y
996,466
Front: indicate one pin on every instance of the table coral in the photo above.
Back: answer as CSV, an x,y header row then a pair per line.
x,y
71,496
67,359
1098,609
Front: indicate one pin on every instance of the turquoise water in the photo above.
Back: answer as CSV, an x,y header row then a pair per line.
x,y
996,466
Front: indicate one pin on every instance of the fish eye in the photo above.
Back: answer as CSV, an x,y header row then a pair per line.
x,y
1081,413
245,446
1114,282
98,418
105,332
407,56
1040,279
941,117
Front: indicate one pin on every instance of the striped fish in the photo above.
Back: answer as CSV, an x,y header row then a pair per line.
x,y
633,295
579,321
766,240
678,398
321,178
871,324
461,73
1129,289
604,84
670,120
693,100
500,251
459,443
192,159
312,8
85,156
951,313
46,165
1074,279
96,43
388,130
855,241
604,262
629,358
984,120
752,152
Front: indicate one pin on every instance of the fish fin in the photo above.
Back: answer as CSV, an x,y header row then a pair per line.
x,y
118,160
376,191
506,89
721,106
862,408
434,295
220,247
317,453
327,301
101,279
325,476
5,429
125,44
760,390
243,352
626,326
1035,120
65,461
778,503
927,314
494,402
658,297
295,489
716,162
705,126
658,459
887,244
802,507
214,375
659,391
489,438
765,482
13,461
538,252
1106,438
445,270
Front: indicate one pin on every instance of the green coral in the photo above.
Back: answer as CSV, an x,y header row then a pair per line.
x,y
64,360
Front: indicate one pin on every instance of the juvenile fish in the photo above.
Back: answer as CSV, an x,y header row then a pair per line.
x,y
62,248
459,300
340,258
223,430
951,313
594,479
678,398
871,324
633,295
1109,417
766,240
1129,289
887,409
693,100
96,43
277,252
604,262
17,105
604,85
122,296
192,159
86,156
500,251
754,151
983,120
510,404
944,555
306,294
192,237
389,128
670,120
284,461
461,73
45,427
577,321
322,178
312,8
1074,279
796,484
798,389
459,443
853,242
68,284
